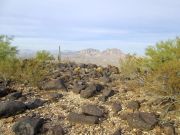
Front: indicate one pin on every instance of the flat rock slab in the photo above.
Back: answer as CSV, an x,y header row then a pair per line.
x,y
11,108
116,107
56,84
3,91
14,95
81,118
35,104
92,110
142,120
28,126
89,91
133,105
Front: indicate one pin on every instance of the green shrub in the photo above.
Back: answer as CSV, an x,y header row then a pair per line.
x,y
44,56
32,71
163,52
8,61
132,66
164,60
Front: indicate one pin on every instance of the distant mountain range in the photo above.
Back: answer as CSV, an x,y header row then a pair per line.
x,y
106,57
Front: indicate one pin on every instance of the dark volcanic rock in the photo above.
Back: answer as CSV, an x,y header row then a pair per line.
x,y
55,96
142,120
106,94
14,95
3,91
89,91
92,110
28,126
35,104
56,84
81,118
116,107
10,108
57,130
133,105
117,132
78,87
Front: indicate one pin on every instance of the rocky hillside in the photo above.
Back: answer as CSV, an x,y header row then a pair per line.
x,y
83,99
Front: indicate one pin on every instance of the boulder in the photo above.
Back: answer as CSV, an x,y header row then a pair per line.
x,y
28,126
57,130
106,94
3,91
142,120
78,87
116,107
11,108
55,84
81,118
118,132
55,96
35,104
92,110
89,91
133,105
14,95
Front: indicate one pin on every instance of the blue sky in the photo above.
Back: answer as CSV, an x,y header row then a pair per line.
x,y
130,25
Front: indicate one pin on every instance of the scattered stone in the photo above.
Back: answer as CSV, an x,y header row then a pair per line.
x,y
11,108
78,87
133,105
57,130
105,79
3,91
102,98
28,126
88,92
107,93
14,95
81,118
116,107
118,132
142,120
35,104
92,110
56,84
55,96
169,130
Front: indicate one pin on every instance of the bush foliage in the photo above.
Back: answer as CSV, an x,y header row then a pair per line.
x,y
44,56
29,71
162,67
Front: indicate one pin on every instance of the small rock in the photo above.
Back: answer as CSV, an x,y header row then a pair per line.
x,y
81,118
55,84
169,130
28,126
14,95
117,132
55,96
92,110
88,92
116,107
107,93
35,104
57,130
102,98
3,91
142,120
133,105
11,108
78,87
